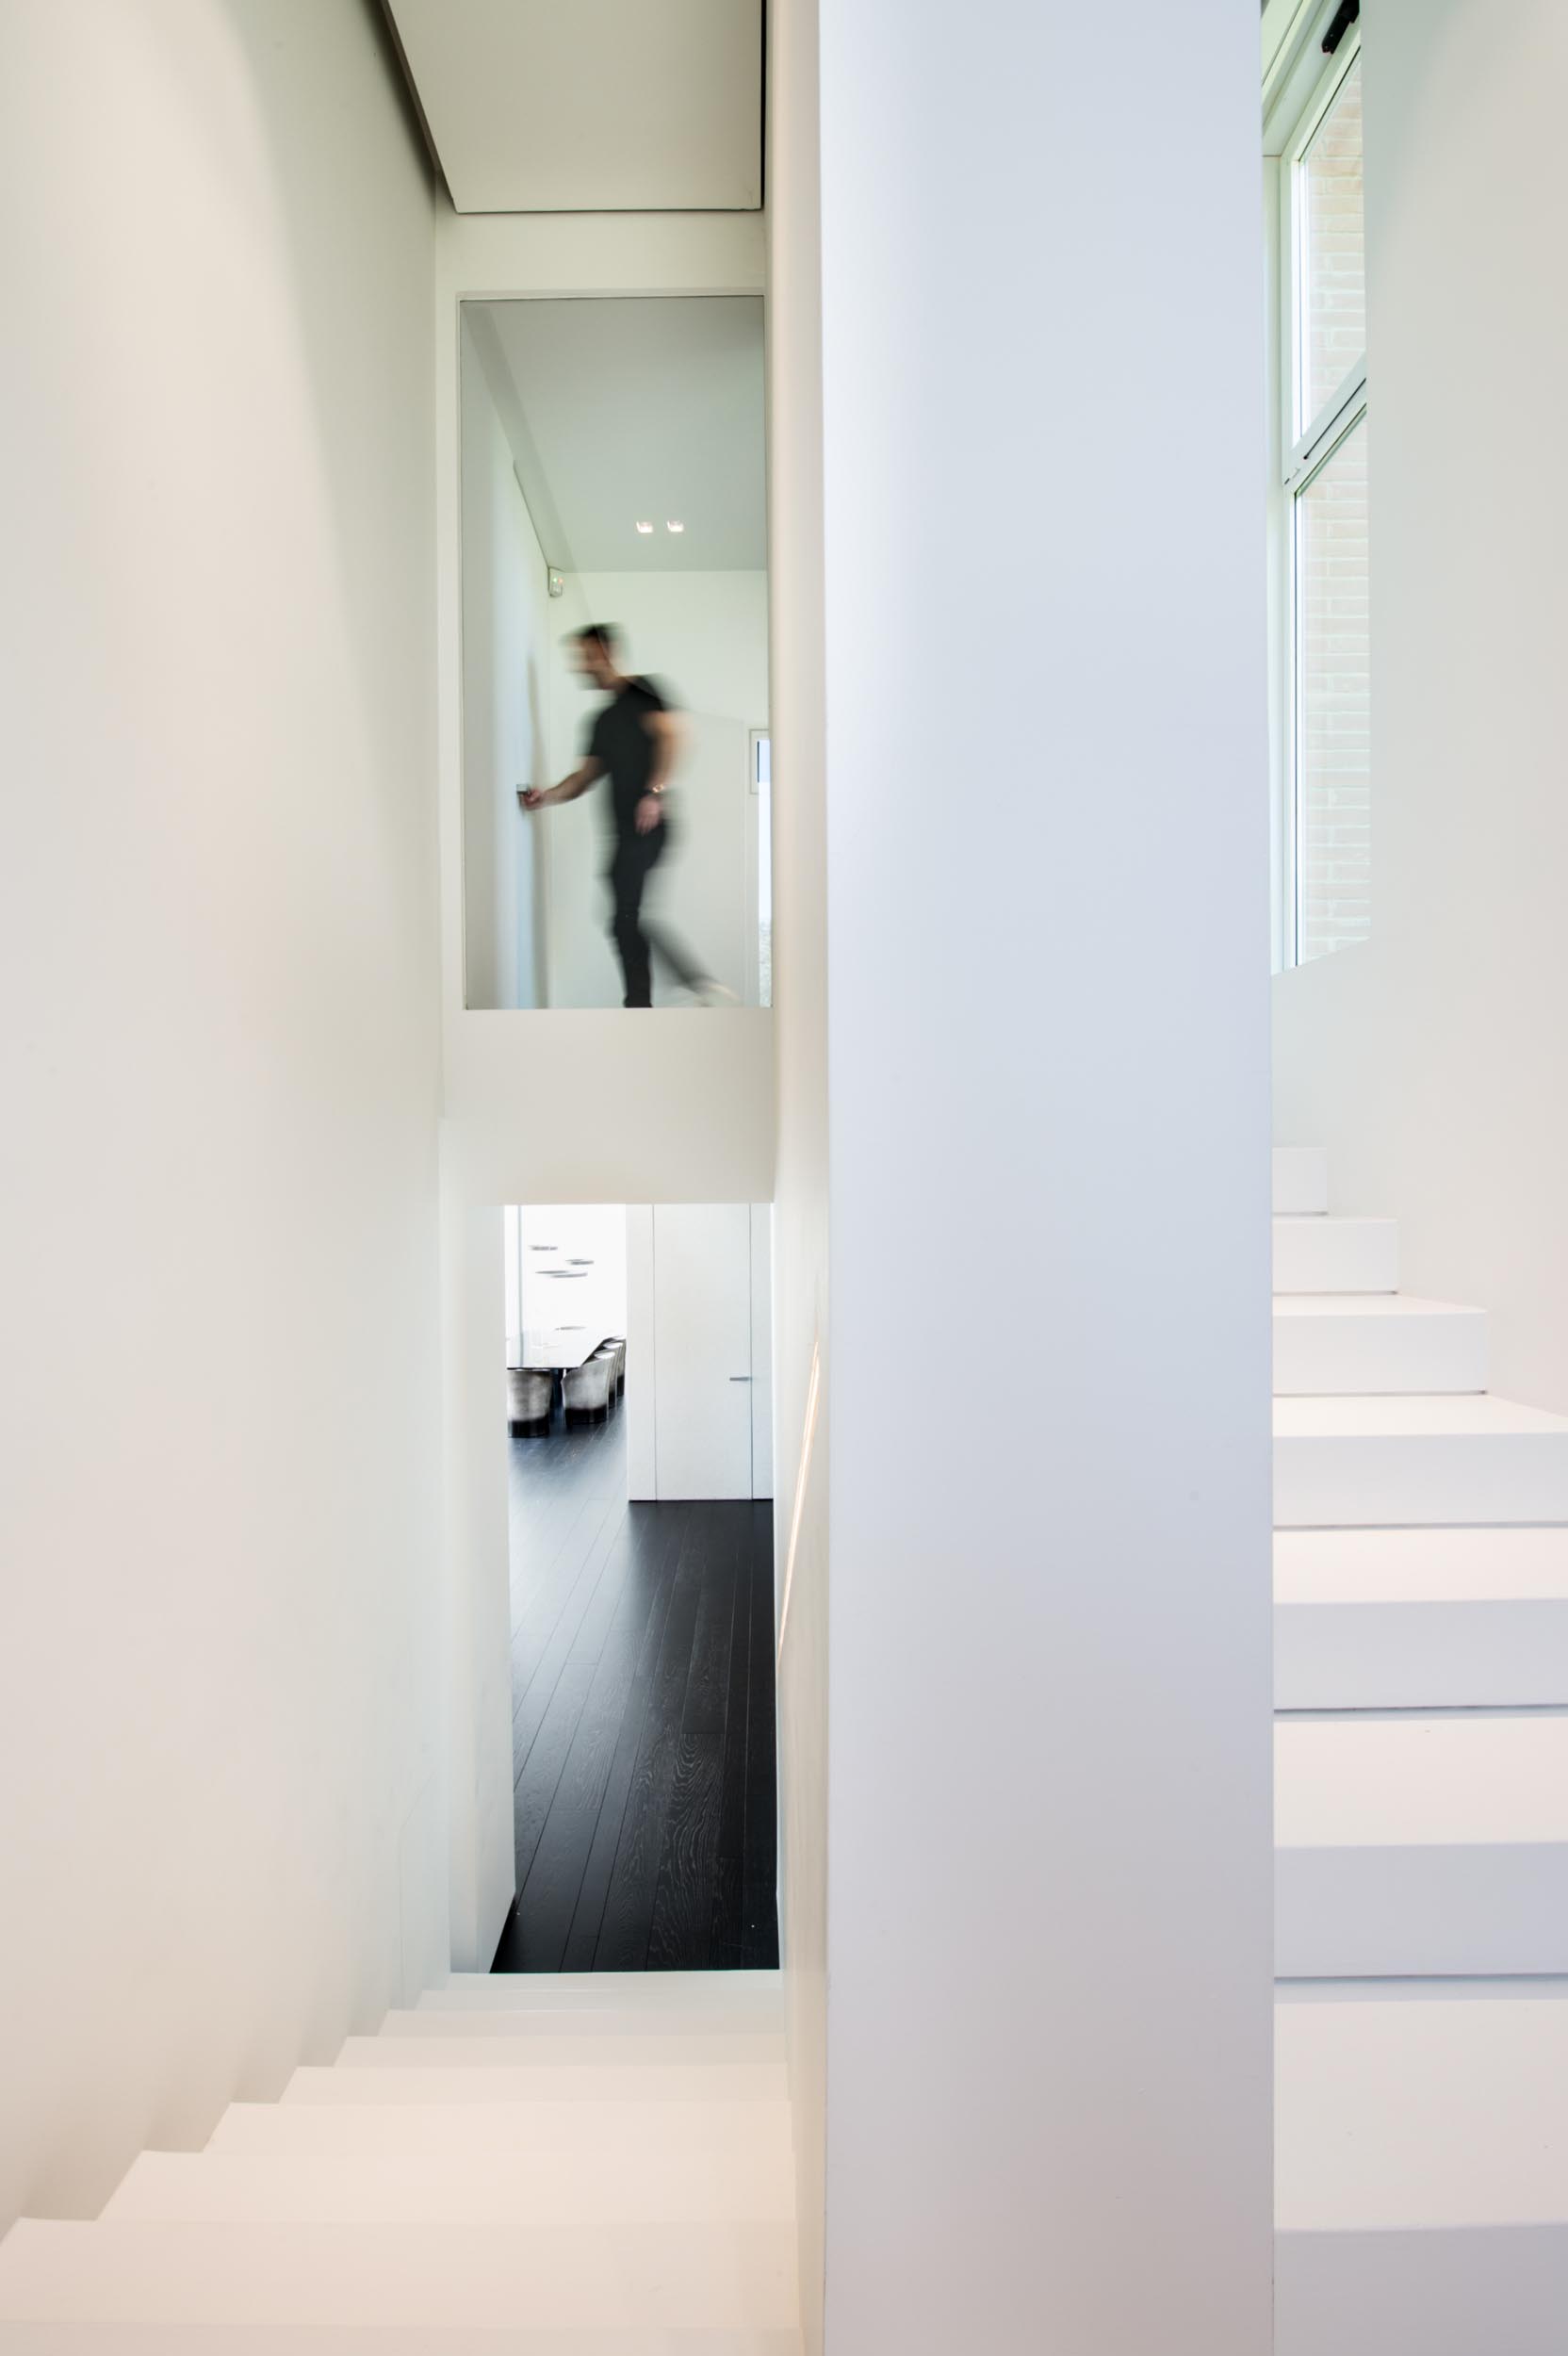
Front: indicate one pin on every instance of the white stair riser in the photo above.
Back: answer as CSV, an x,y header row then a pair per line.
x,y
1437,1655
605,2184
599,2278
677,2031
582,2051
1336,1256
581,2082
1301,1179
459,2131
1418,1911
331,2339
1379,1355
1490,2291
655,1992
1351,1482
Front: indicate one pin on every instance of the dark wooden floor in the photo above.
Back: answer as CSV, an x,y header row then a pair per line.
x,y
642,1668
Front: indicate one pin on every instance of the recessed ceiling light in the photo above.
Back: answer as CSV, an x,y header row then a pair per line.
x,y
674,526
642,526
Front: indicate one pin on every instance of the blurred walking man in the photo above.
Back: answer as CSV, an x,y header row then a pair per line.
x,y
634,742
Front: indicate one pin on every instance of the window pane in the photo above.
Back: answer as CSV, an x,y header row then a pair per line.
x,y
1333,275
1333,775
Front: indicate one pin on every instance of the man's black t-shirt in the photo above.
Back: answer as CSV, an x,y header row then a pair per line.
x,y
621,740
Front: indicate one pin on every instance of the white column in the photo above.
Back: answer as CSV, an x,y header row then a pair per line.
x,y
1047,862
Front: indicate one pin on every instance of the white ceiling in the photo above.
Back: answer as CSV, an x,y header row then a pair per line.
x,y
620,409
590,105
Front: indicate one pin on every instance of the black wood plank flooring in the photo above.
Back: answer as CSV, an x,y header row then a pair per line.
x,y
643,1722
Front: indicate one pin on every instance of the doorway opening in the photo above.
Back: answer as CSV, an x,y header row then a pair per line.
x,y
641,1588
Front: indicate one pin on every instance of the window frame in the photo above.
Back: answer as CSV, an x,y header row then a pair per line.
x,y
1300,448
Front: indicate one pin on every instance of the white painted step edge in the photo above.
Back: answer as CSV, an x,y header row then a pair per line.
x,y
1367,1343
1490,2291
579,2082
1336,1256
599,2277
304,2339
423,2123
651,1991
674,2029
581,2049
1423,2172
1365,1462
678,2180
1421,1846
1421,1655
1420,1619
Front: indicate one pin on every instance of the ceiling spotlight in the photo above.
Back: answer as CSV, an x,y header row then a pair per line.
x,y
642,526
675,526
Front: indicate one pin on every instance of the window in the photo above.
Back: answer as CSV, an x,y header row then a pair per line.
x,y
1331,249
1323,441
1333,761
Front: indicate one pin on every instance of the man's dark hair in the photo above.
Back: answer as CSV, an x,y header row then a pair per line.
x,y
601,634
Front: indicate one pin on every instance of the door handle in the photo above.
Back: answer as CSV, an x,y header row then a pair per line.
x,y
740,1378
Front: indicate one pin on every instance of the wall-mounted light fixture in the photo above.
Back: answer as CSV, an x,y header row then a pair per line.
x,y
674,526
643,527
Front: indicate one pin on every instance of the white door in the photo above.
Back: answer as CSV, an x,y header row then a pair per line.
x,y
702,1349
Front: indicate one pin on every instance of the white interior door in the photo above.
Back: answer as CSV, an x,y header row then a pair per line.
x,y
702,1349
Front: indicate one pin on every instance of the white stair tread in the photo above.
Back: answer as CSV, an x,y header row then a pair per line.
x,y
1436,1459
346,2339
582,2049
651,2130
641,1991
1369,1306
1428,1846
1300,1176
1421,1619
673,2029
603,2181
1421,2108
1415,1782
1334,1566
576,2082
1414,1416
596,2277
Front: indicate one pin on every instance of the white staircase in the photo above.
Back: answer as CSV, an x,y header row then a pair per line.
x,y
1421,1816
600,2165
527,2166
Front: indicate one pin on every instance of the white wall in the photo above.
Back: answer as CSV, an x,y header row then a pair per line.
x,y
506,660
1431,1061
220,1631
704,638
1049,1942
801,1373
478,1618
562,1108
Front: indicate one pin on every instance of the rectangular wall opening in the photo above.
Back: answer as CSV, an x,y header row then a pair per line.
x,y
613,475
639,1441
